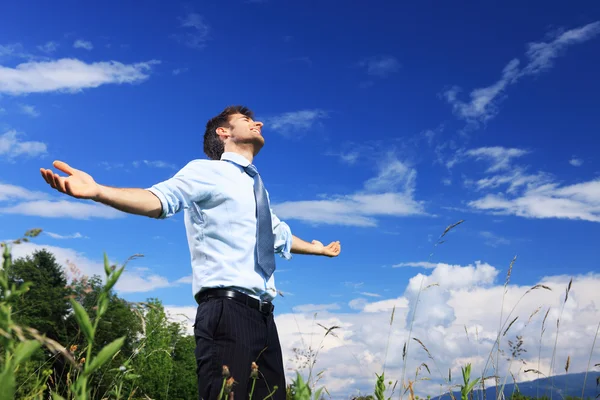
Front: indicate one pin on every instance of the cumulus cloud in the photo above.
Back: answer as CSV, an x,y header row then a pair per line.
x,y
69,75
449,325
483,103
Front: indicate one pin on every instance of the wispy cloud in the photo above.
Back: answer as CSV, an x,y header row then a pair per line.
x,y
198,31
185,279
14,50
369,294
295,121
483,103
12,145
83,44
179,71
389,193
576,162
13,192
29,110
380,66
109,165
19,200
69,75
48,47
579,201
63,209
350,157
75,235
154,164
498,157
493,240
418,264
311,308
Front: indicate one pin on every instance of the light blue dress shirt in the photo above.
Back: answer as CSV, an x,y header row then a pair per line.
x,y
220,220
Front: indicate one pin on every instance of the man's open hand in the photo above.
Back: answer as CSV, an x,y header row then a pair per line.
x,y
77,184
331,250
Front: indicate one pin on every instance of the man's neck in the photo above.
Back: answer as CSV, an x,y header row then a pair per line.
x,y
247,153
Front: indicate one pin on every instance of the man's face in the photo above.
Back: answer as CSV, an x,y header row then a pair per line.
x,y
245,130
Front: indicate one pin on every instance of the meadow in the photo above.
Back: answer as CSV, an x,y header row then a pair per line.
x,y
77,339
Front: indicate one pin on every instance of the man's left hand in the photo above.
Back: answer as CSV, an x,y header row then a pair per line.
x,y
331,250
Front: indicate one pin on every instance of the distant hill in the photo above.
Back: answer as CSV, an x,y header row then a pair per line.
x,y
560,386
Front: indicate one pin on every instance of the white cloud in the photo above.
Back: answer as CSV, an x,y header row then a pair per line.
x,y
493,240
133,279
75,235
185,279
12,145
48,47
579,201
295,121
29,110
499,157
83,44
311,308
63,209
390,193
13,192
483,103
198,35
576,162
154,164
369,294
178,71
419,264
381,66
69,75
352,356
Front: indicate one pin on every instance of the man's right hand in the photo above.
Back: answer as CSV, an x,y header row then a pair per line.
x,y
77,184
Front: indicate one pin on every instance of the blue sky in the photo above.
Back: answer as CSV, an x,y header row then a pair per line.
x,y
384,124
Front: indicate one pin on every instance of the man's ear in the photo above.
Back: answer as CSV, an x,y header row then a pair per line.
x,y
222,133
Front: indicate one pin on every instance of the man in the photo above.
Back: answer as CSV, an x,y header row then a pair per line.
x,y
233,236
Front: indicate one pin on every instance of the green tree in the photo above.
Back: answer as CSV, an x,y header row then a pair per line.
x,y
119,320
47,303
45,308
155,361
185,385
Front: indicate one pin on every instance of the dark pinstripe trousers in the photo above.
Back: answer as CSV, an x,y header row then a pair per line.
x,y
231,333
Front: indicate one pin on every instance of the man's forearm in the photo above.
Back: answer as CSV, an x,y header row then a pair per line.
x,y
300,246
132,201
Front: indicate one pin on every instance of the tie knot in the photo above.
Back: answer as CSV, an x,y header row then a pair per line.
x,y
251,170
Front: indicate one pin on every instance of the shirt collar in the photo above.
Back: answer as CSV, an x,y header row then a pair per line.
x,y
236,158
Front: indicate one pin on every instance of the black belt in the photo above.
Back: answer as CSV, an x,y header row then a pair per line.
x,y
264,307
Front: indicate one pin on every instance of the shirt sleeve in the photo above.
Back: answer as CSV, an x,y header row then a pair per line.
x,y
283,237
190,184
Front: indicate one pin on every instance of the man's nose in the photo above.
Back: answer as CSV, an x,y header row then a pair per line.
x,y
260,124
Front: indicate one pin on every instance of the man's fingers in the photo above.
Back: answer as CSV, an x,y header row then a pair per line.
x,y
44,175
61,183
64,167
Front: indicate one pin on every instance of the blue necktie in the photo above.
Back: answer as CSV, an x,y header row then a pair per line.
x,y
265,240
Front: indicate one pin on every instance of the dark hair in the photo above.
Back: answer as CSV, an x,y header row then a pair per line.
x,y
213,145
